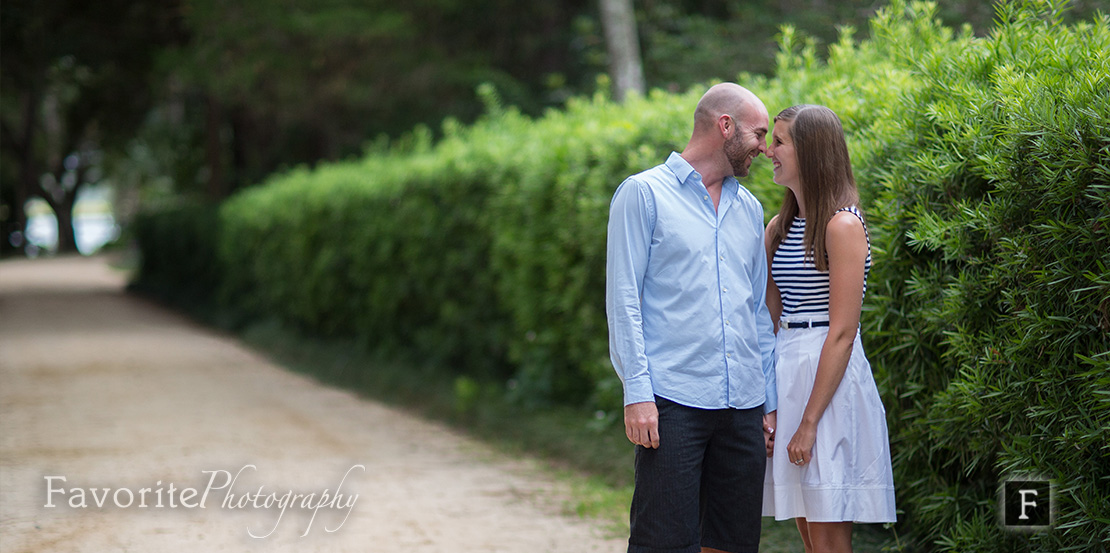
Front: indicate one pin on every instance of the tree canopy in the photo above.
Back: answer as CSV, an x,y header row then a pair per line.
x,y
75,81
202,97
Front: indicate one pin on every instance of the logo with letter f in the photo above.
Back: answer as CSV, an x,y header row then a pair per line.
x,y
1027,504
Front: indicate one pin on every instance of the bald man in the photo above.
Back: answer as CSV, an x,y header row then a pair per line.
x,y
690,335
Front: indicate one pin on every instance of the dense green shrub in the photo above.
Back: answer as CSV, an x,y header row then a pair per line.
x,y
984,165
393,250
179,260
992,326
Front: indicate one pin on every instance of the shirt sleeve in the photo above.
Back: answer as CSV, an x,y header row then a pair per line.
x,y
764,326
631,214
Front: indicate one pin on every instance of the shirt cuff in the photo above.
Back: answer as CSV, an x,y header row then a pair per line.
x,y
638,390
771,404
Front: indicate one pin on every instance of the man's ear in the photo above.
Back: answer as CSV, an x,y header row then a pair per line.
x,y
726,125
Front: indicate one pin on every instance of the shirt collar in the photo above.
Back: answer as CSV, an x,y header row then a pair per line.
x,y
680,167
683,170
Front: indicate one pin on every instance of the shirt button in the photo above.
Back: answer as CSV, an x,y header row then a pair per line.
x,y
728,323
729,355
725,289
705,197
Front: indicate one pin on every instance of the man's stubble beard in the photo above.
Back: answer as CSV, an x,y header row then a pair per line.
x,y
737,156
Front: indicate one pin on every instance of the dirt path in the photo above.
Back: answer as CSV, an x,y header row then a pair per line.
x,y
114,393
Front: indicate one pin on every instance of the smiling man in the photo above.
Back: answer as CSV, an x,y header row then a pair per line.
x,y
690,335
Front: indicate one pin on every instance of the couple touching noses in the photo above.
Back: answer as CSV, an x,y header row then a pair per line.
x,y
746,389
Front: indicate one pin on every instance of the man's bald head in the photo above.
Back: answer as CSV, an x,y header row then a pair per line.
x,y
730,129
725,98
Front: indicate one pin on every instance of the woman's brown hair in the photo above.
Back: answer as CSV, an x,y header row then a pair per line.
x,y
825,171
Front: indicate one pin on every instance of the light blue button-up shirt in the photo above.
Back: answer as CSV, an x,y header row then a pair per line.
x,y
684,292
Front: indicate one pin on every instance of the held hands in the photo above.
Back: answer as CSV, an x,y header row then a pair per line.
x,y
641,424
769,422
800,449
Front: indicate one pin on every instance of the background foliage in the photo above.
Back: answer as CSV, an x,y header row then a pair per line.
x,y
200,98
984,163
994,316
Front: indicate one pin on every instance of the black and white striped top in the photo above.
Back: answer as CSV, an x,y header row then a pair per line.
x,y
804,289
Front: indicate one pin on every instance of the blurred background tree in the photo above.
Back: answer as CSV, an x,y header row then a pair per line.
x,y
198,98
75,81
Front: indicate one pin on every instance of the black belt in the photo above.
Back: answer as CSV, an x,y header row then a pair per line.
x,y
804,324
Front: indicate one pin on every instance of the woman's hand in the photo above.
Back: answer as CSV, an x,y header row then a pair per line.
x,y
770,420
800,450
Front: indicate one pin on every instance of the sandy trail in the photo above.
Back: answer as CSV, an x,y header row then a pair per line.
x,y
111,392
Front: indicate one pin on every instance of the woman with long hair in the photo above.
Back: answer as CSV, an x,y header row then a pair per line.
x,y
833,469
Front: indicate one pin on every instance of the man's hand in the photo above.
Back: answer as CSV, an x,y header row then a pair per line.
x,y
641,423
770,420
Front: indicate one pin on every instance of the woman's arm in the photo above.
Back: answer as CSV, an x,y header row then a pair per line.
x,y
774,305
774,300
847,249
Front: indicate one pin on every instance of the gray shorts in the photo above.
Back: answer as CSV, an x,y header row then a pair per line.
x,y
703,486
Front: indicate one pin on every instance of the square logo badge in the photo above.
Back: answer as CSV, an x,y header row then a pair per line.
x,y
1027,504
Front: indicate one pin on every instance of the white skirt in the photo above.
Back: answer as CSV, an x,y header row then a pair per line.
x,y
849,477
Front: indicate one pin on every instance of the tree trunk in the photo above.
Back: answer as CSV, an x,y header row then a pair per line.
x,y
623,44
28,173
243,135
213,149
18,216
62,200
67,235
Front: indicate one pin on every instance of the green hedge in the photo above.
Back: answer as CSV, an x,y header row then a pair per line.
x,y
983,164
178,245
392,250
992,313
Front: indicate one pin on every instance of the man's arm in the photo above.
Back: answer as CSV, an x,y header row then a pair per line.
x,y
764,326
627,246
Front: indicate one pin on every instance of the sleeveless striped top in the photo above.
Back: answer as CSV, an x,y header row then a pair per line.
x,y
804,289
